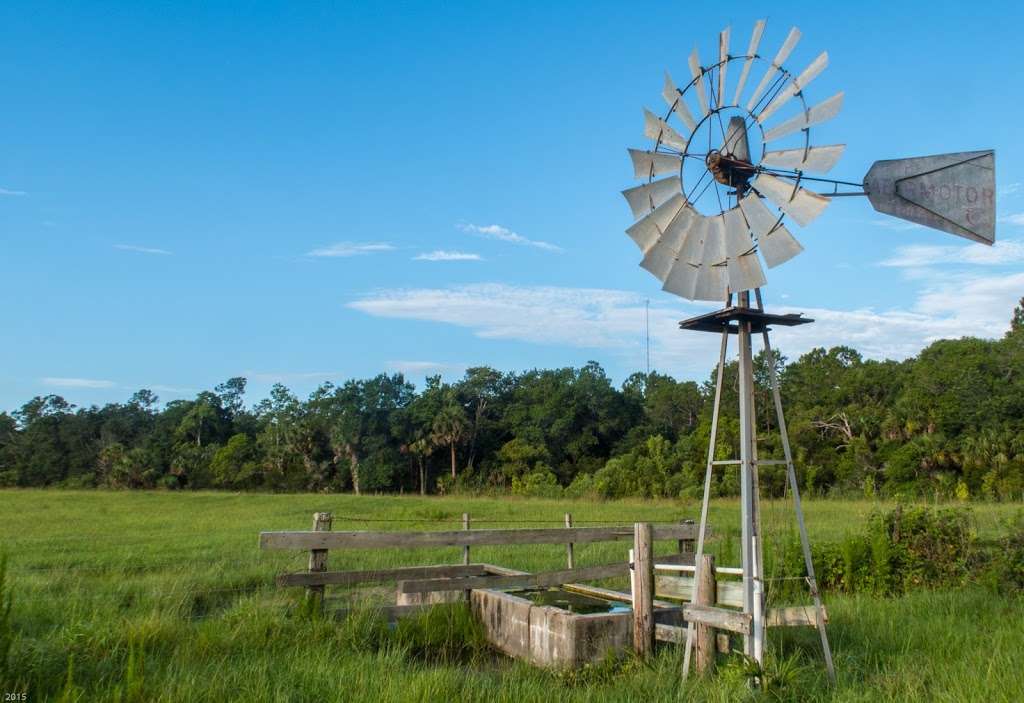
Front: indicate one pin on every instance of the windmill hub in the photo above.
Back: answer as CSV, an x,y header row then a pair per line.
x,y
729,170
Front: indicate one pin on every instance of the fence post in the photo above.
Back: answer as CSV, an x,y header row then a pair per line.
x,y
706,593
643,589
687,545
318,557
465,549
570,560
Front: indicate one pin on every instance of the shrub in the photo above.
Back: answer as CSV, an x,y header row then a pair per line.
x,y
539,483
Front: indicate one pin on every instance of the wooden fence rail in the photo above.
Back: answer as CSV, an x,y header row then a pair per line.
x,y
309,540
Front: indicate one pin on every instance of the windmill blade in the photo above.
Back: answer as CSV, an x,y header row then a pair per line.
x,y
658,260
698,78
821,112
643,199
815,158
676,103
776,243
736,234
712,282
745,273
755,39
780,58
648,164
692,249
648,229
799,83
723,64
682,279
742,267
797,202
657,129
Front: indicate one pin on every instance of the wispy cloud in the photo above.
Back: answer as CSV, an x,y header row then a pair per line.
x,y
613,320
1002,253
61,382
346,249
8,191
142,250
290,376
442,255
504,234
424,368
1010,189
895,225
172,390
1016,218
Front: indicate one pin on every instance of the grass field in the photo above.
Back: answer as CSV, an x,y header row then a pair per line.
x,y
165,596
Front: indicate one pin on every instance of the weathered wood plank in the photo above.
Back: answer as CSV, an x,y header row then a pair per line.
x,y
318,557
730,593
643,589
794,616
707,590
718,618
541,580
670,633
456,538
351,578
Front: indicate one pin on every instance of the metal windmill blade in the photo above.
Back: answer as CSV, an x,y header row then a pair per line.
x,y
704,248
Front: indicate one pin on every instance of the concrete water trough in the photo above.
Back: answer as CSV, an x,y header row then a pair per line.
x,y
560,627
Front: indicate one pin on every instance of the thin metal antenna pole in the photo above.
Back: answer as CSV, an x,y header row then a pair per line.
x,y
647,328
702,529
804,541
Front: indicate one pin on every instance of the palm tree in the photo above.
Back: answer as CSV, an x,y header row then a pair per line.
x,y
422,448
450,427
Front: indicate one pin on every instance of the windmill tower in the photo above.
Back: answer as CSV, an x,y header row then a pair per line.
x,y
715,202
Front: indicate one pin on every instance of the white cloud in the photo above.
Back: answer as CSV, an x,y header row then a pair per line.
x,y
346,249
895,224
504,234
173,390
290,376
142,250
1016,218
60,382
7,191
613,320
1010,189
424,368
1002,253
442,255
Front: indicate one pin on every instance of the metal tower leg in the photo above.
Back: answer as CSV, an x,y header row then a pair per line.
x,y
707,491
804,541
753,585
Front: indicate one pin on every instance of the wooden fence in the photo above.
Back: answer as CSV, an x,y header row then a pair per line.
x,y
707,604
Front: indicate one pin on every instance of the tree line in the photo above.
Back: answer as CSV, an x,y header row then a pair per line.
x,y
948,423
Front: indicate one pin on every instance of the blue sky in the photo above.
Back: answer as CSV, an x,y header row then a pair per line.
x,y
194,191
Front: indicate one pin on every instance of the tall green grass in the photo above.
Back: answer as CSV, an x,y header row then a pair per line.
x,y
161,596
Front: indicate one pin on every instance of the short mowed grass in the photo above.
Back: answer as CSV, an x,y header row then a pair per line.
x,y
138,596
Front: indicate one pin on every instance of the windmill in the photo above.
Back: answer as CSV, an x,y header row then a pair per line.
x,y
730,165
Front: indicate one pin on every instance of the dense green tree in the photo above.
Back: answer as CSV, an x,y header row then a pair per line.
x,y
948,423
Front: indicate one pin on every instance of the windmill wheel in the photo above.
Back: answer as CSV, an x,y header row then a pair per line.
x,y
700,230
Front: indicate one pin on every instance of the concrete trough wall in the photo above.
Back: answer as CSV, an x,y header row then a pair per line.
x,y
552,637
